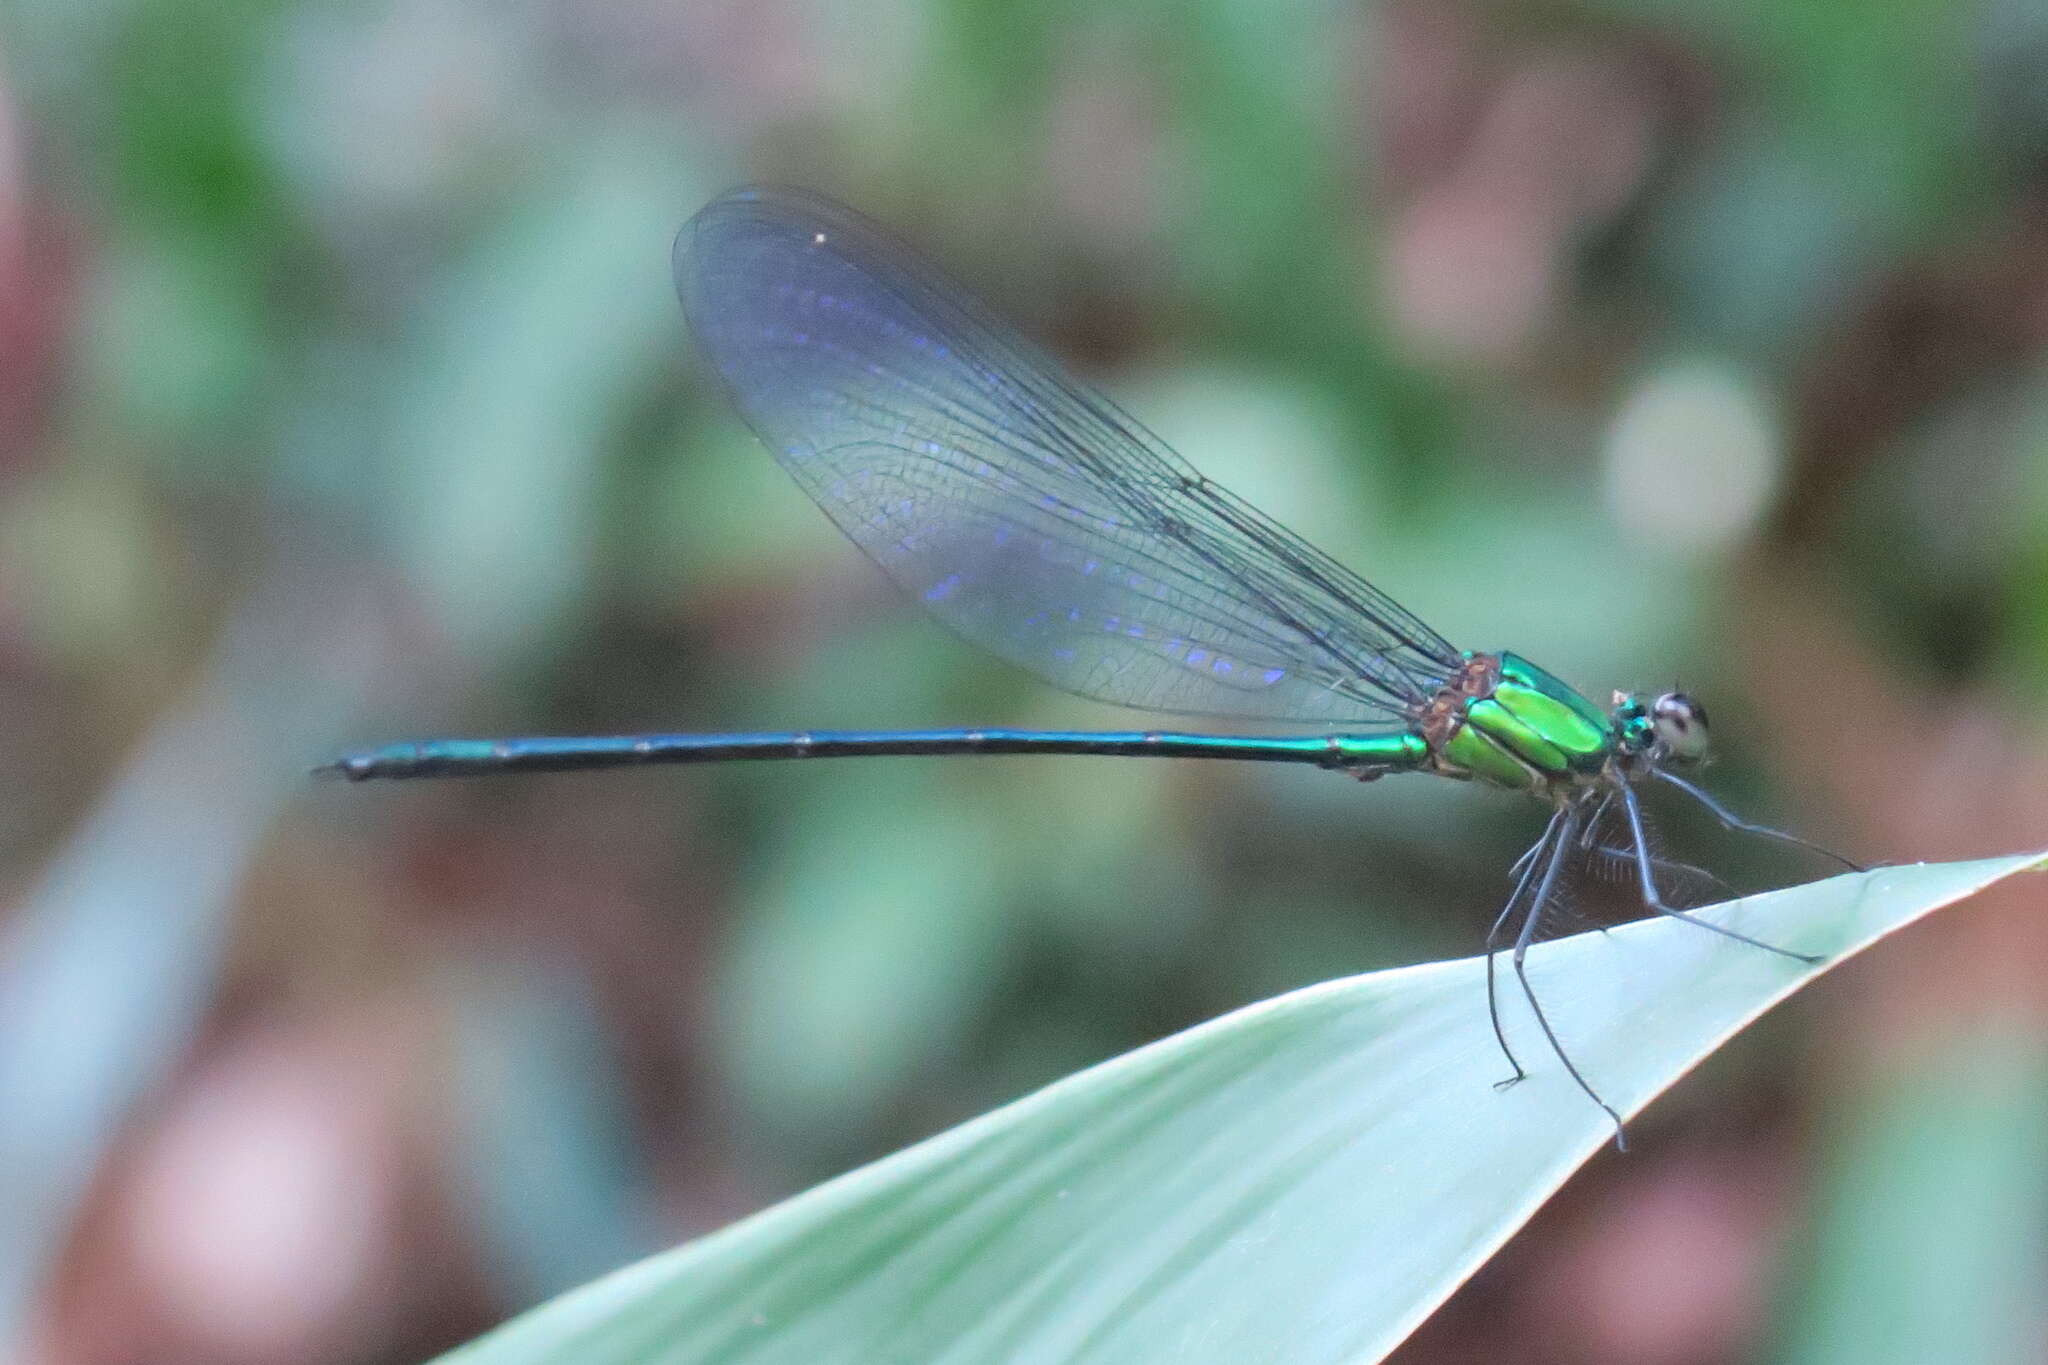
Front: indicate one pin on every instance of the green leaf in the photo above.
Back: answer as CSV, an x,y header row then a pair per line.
x,y
1302,1180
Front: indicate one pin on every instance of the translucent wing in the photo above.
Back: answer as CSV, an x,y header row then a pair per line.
x,y
1024,509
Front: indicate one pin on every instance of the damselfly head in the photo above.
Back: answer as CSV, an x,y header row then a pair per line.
x,y
1681,726
1673,727
1632,724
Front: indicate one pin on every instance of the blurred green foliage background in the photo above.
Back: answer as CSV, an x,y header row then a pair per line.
x,y
343,394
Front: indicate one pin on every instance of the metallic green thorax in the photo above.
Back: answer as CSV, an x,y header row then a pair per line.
x,y
1508,722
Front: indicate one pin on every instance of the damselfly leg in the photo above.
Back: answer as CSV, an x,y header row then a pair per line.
x,y
1627,856
1524,870
1730,820
1646,877
1563,829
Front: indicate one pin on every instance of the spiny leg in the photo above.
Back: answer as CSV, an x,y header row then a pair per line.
x,y
1628,855
1530,853
1522,941
1589,828
1730,820
1626,858
1525,867
1589,843
1646,876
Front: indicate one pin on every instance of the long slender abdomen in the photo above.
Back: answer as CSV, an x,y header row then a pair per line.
x,y
1382,752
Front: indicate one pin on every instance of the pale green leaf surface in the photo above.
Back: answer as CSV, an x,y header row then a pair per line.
x,y
1302,1180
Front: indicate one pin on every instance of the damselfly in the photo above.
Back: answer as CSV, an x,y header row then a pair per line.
x,y
1036,518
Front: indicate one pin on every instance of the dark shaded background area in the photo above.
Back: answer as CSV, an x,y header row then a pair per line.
x,y
343,396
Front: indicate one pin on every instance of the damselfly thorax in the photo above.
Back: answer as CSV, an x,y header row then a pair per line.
x,y
1501,719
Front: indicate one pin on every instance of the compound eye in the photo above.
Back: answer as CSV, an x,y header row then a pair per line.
x,y
1681,725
